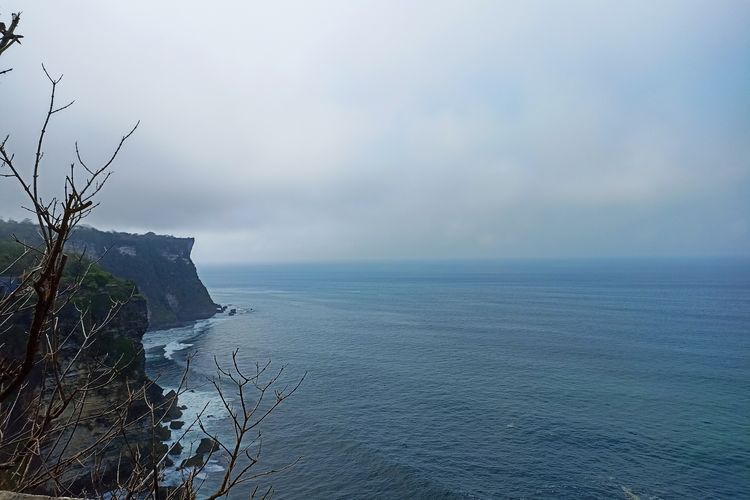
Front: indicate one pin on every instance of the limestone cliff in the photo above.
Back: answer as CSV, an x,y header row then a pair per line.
x,y
160,265
157,277
118,345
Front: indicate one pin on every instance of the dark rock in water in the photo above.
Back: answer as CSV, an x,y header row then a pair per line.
x,y
173,411
176,449
194,461
162,433
176,424
207,445
168,462
183,407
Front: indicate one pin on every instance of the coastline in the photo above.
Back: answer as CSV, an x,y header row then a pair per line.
x,y
166,351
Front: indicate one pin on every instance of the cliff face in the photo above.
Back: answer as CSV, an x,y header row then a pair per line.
x,y
159,265
158,283
116,345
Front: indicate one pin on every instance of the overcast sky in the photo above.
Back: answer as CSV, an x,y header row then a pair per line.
x,y
323,130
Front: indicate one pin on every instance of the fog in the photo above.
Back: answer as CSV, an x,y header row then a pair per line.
x,y
295,131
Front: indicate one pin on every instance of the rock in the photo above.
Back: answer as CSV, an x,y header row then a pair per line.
x,y
176,449
194,461
183,407
160,449
207,445
176,296
176,424
173,411
168,462
167,298
162,433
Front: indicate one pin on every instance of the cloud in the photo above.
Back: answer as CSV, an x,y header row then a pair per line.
x,y
356,129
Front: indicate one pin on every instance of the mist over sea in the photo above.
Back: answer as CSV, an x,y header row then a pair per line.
x,y
494,379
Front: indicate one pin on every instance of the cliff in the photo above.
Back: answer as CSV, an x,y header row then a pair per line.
x,y
117,345
160,265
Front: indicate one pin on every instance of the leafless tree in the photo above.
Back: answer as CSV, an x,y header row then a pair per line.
x,y
56,428
8,36
37,409
56,220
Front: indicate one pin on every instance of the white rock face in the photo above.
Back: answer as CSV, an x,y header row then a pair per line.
x,y
126,251
174,257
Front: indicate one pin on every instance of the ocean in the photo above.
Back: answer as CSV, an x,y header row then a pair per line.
x,y
486,379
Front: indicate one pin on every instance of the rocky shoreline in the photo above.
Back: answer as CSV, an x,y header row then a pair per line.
x,y
157,281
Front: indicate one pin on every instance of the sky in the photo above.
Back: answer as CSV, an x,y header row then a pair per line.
x,y
370,130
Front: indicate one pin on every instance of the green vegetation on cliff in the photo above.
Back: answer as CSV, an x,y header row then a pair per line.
x,y
159,265
97,291
91,300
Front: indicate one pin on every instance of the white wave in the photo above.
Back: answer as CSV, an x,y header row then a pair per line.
x,y
629,494
173,347
194,401
202,325
213,466
174,339
159,338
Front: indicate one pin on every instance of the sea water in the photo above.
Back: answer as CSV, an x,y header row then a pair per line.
x,y
493,379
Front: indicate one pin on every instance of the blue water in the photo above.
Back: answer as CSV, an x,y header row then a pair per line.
x,y
514,379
